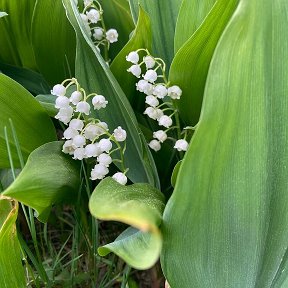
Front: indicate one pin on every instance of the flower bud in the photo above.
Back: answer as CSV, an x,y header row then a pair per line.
x,y
62,102
93,15
174,92
112,35
160,135
83,107
181,145
120,134
98,33
104,159
149,61
152,101
99,102
133,57
76,97
165,121
105,145
120,178
58,90
135,70
150,76
99,171
155,145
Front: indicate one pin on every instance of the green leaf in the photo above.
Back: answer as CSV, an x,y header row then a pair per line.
x,y
15,29
48,103
32,125
53,41
139,205
117,15
49,177
175,173
231,193
11,270
190,66
94,75
163,15
191,15
141,38
32,81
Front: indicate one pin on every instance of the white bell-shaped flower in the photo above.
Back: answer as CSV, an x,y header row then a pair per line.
x,y
68,147
58,90
76,97
112,35
153,113
76,124
160,135
84,18
135,70
165,121
149,61
120,178
160,91
120,134
155,145
92,150
150,76
152,101
78,141
99,101
104,159
83,107
93,15
98,33
174,92
105,145
181,145
133,57
62,102
99,172
70,133
65,114
79,154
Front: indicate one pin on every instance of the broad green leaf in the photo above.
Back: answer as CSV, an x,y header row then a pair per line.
x,y
11,270
53,41
32,81
175,173
15,29
48,103
95,76
138,205
49,177
231,193
190,66
163,15
191,15
33,126
141,38
117,15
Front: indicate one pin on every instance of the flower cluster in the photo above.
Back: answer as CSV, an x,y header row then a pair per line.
x,y
87,137
160,96
92,16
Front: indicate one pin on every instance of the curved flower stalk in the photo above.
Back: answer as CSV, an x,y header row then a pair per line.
x,y
88,137
160,99
92,16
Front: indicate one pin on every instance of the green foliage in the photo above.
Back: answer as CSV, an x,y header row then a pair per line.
x,y
49,177
30,121
54,52
11,269
226,222
141,38
139,205
190,66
